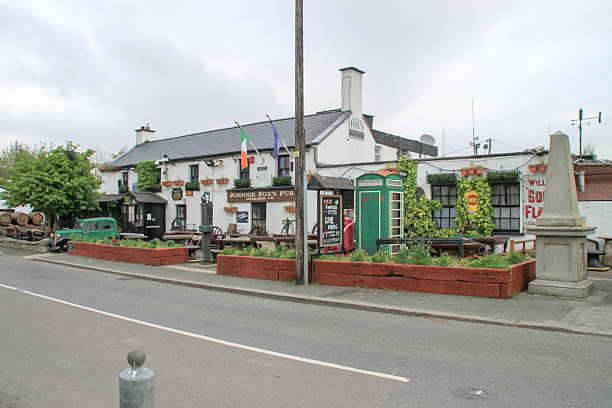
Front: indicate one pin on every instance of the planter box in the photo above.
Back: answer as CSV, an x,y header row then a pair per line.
x,y
454,280
157,257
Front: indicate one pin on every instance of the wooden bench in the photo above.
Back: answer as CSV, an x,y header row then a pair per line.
x,y
513,243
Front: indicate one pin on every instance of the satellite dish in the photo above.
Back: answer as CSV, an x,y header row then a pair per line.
x,y
428,139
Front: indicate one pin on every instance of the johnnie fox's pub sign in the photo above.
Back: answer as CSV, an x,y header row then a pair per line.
x,y
261,195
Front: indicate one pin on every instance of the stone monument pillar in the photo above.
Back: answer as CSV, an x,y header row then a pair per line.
x,y
561,249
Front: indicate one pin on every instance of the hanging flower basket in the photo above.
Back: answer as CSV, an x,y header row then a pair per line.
x,y
542,168
230,209
464,172
222,180
472,170
207,181
167,183
179,182
290,208
479,170
533,168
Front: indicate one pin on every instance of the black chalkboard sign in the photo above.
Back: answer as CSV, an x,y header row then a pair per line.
x,y
330,220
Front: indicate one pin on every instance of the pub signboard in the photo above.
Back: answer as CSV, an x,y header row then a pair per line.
x,y
256,195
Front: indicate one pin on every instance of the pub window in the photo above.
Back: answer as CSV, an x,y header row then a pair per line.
x,y
124,178
181,217
447,196
377,157
506,202
284,166
158,176
194,173
259,215
244,173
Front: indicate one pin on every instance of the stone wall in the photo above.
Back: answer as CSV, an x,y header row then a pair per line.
x,y
36,246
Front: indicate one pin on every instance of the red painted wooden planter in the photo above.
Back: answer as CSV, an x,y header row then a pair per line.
x,y
157,257
483,282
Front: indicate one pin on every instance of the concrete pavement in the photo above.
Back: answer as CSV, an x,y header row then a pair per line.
x,y
589,316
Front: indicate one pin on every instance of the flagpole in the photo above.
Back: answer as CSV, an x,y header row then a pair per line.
x,y
282,140
240,127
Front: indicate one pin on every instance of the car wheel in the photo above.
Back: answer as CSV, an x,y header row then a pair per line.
x,y
63,246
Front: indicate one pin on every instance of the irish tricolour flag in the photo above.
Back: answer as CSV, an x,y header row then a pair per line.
x,y
244,161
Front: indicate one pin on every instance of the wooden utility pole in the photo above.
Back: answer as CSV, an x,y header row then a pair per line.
x,y
300,144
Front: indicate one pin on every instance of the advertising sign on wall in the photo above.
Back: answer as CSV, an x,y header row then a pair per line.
x,y
533,198
471,198
177,194
242,217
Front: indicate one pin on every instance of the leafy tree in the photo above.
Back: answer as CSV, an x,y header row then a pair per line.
x,y
8,157
57,182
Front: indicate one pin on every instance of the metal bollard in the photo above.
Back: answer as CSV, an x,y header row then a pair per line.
x,y
136,384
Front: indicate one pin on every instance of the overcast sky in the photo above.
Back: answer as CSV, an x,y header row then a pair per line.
x,y
93,71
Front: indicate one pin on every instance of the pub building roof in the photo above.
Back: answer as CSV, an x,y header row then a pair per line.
x,y
223,142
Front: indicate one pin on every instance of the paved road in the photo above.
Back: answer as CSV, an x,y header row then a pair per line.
x,y
55,354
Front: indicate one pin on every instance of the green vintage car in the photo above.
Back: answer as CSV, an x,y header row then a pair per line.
x,y
102,227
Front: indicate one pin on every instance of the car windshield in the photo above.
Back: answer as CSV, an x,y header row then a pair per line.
x,y
78,225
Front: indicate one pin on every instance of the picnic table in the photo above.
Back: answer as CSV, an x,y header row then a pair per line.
x,y
462,246
493,241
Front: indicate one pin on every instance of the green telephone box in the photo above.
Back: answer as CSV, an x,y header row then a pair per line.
x,y
379,209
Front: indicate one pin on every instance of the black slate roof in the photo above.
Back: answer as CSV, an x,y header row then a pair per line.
x,y
405,145
219,142
141,197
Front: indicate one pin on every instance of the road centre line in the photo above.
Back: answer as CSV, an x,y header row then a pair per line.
x,y
217,341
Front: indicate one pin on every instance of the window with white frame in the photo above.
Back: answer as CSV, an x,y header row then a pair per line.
x,y
377,154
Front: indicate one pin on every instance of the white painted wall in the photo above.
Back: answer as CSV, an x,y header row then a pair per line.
x,y
597,214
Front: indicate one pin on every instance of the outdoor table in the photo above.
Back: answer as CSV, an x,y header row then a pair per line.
x,y
131,235
493,241
607,258
237,242
463,246
181,239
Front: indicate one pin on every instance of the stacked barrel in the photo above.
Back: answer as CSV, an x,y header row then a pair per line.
x,y
21,225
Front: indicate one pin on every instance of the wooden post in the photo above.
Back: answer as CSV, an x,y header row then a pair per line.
x,y
300,144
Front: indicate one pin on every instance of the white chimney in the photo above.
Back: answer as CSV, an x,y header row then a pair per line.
x,y
351,90
144,134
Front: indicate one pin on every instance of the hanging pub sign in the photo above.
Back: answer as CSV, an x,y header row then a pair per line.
x,y
177,194
330,220
471,198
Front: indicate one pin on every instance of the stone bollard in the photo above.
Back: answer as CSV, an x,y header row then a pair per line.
x,y
136,384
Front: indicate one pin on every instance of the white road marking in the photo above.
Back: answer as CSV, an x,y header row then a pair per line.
x,y
217,341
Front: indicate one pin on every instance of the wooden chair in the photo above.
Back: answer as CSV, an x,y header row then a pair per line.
x,y
232,229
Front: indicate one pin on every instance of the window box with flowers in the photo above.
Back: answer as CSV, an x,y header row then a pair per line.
x,y
281,181
192,186
242,183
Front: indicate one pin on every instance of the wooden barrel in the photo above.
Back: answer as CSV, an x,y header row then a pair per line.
x,y
36,218
19,218
5,218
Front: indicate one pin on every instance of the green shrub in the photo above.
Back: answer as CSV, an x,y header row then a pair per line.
x,y
381,256
242,183
228,251
443,260
359,256
289,254
281,181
